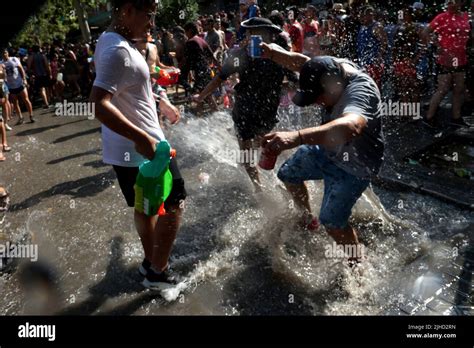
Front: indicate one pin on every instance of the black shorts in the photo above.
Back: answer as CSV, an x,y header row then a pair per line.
x,y
442,70
248,129
127,176
42,81
16,91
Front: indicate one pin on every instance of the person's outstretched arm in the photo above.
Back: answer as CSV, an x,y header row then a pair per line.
x,y
291,60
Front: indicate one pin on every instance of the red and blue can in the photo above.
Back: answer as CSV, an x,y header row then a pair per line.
x,y
255,51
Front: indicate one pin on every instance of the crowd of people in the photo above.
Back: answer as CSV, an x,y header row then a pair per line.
x,y
346,57
43,73
412,55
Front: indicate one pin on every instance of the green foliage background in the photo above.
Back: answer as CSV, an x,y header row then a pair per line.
x,y
57,18
176,12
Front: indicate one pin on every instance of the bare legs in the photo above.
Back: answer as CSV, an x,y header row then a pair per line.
x,y
248,147
445,82
345,236
158,235
23,95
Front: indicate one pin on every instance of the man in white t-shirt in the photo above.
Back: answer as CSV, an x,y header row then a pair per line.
x,y
125,105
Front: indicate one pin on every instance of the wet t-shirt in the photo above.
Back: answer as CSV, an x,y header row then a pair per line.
x,y
258,92
363,155
122,71
453,33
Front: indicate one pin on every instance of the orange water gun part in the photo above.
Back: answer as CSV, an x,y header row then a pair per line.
x,y
162,210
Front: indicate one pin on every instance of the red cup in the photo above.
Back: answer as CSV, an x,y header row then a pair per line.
x,y
267,159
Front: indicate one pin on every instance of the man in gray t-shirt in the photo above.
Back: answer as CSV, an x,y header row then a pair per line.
x,y
344,152
362,155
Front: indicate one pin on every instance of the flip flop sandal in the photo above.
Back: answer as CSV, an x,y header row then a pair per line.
x,y
6,148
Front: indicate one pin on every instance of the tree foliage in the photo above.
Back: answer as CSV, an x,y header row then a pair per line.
x,y
176,12
54,21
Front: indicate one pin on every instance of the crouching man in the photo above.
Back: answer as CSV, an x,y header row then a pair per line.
x,y
345,151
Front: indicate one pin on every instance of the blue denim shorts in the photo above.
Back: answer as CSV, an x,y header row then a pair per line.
x,y
341,189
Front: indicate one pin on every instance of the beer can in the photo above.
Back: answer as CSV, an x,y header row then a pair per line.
x,y
255,51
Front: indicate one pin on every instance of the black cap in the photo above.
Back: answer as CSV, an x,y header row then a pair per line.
x,y
313,71
259,22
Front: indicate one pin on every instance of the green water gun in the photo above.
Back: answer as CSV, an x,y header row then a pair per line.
x,y
154,181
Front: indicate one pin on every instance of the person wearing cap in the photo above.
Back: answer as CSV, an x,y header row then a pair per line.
x,y
257,95
453,32
345,151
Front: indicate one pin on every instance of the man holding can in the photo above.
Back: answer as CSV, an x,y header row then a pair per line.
x,y
345,151
257,95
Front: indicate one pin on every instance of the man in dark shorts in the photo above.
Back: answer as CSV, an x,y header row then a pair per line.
x,y
257,95
16,83
130,129
39,67
453,31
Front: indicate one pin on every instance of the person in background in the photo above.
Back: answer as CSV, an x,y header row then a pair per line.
x,y
39,67
371,45
3,120
279,20
257,95
327,38
16,82
406,57
339,14
295,30
311,32
229,36
4,102
71,72
351,29
423,67
57,85
452,30
253,9
197,58
215,40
